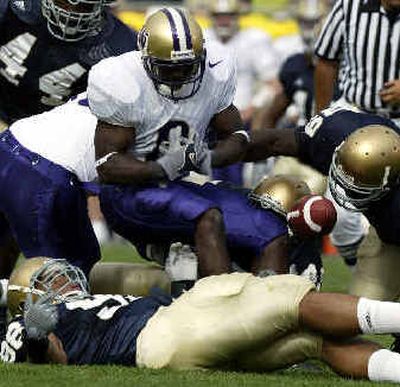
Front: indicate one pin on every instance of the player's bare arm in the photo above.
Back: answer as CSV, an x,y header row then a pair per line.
x,y
55,350
271,114
232,139
324,80
271,142
115,164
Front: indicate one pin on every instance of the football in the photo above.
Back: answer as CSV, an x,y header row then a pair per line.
x,y
312,215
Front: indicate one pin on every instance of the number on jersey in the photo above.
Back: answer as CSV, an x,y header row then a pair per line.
x,y
106,304
55,85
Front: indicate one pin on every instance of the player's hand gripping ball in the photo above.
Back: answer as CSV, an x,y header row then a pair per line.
x,y
311,216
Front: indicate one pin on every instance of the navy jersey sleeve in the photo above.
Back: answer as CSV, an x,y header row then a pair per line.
x,y
3,8
288,75
318,140
123,39
28,11
115,39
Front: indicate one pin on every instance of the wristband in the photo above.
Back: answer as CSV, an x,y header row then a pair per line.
x,y
104,159
244,134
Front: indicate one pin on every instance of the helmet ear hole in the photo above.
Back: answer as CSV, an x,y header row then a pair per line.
x,y
365,166
279,193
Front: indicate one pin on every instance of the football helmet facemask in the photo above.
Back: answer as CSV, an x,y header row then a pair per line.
x,y
225,18
54,279
72,20
365,167
173,52
279,193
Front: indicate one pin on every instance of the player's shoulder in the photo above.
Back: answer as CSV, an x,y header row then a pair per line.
x,y
220,61
294,63
114,86
28,11
117,74
119,37
3,8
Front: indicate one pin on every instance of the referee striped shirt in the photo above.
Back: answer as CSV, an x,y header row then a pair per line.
x,y
366,39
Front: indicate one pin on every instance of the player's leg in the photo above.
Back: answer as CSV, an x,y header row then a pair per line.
x,y
376,273
210,242
342,315
362,359
349,357
291,349
219,318
173,213
260,233
348,233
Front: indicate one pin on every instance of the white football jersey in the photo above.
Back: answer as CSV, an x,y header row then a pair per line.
x,y
288,45
121,93
63,135
256,60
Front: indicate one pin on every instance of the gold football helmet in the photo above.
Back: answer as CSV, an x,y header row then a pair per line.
x,y
173,52
365,167
279,193
225,18
55,278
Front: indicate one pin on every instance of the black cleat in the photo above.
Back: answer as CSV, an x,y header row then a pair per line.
x,y
395,347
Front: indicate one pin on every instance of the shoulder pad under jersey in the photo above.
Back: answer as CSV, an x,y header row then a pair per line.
x,y
114,90
28,11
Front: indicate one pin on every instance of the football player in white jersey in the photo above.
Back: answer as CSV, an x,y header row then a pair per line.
x,y
155,108
44,162
257,69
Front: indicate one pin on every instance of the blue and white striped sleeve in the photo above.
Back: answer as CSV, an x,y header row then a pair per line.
x,y
330,40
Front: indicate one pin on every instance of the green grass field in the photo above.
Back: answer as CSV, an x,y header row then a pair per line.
x,y
336,279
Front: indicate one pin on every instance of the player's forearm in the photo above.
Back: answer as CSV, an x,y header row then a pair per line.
x,y
271,115
324,82
229,151
124,168
271,142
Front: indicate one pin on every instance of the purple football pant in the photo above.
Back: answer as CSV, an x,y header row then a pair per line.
x,y
168,214
45,207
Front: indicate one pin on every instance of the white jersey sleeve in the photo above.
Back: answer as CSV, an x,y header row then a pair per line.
x,y
113,91
222,63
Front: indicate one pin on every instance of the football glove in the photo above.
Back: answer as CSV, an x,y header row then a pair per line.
x,y
181,263
179,162
40,317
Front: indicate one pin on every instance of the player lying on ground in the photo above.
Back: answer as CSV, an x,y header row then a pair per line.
x,y
233,321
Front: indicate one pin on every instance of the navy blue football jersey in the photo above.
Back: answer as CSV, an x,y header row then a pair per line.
x,y
319,138
102,329
296,76
317,143
38,71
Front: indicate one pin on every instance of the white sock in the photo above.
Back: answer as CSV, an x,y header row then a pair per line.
x,y
376,317
101,231
384,366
